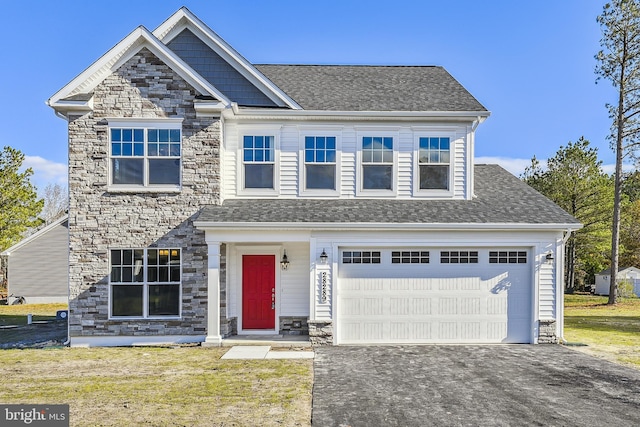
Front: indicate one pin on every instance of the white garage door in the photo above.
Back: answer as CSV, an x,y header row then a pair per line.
x,y
434,296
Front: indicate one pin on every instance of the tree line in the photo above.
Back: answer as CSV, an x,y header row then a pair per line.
x,y
574,179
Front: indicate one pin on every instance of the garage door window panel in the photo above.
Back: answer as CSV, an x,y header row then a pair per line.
x,y
459,257
361,257
507,257
410,257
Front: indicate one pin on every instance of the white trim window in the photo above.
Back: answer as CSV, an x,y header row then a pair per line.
x,y
320,157
377,164
434,163
145,283
146,157
258,158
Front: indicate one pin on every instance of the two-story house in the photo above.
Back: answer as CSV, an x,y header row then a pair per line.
x,y
211,197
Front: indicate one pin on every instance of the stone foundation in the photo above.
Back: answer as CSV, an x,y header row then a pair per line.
x,y
294,325
228,327
320,332
547,332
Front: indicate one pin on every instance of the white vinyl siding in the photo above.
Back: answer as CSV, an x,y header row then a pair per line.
x,y
547,291
290,166
38,270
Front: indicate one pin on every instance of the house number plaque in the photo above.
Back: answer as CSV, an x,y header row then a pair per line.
x,y
324,287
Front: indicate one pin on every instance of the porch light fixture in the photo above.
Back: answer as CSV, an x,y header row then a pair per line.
x,y
549,256
284,263
323,257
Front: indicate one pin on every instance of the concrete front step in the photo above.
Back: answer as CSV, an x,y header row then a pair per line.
x,y
286,341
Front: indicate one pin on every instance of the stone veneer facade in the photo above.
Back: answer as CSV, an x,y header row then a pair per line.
x,y
100,219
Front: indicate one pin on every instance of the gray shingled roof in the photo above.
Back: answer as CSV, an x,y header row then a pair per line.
x,y
501,199
371,88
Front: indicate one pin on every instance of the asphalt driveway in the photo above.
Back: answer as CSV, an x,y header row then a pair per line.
x,y
502,385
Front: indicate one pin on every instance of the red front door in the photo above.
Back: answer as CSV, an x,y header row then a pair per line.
x,y
258,291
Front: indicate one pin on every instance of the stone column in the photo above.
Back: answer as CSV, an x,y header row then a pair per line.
x,y
213,295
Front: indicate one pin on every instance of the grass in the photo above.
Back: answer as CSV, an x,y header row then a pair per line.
x,y
611,332
156,386
17,314
160,386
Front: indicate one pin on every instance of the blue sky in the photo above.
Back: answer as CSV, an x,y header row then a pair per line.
x,y
530,63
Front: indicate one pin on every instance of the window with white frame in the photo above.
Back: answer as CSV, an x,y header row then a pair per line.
x,y
434,160
258,161
320,162
145,283
377,163
144,156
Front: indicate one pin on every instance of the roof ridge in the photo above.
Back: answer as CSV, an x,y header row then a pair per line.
x,y
351,65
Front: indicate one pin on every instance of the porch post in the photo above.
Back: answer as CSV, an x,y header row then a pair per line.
x,y
213,295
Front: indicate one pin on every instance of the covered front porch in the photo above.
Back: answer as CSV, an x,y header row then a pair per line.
x,y
261,287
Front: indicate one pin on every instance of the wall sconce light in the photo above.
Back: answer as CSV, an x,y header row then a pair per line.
x,y
284,263
323,257
549,256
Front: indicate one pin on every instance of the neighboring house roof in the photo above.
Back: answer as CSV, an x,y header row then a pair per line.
x,y
372,88
501,199
620,270
36,235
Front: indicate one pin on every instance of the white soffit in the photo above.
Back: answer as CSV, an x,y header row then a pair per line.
x,y
138,39
184,18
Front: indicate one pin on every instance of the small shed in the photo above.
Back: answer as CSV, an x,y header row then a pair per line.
x,y
38,266
630,274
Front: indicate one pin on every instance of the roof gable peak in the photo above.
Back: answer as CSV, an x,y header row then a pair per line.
x,y
183,19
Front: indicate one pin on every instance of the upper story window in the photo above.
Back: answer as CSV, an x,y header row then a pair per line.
x,y
259,161
434,160
377,163
145,283
320,162
145,157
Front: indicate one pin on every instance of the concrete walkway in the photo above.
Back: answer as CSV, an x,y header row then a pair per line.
x,y
264,352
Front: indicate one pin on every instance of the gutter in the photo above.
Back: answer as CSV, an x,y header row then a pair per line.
x,y
378,226
265,113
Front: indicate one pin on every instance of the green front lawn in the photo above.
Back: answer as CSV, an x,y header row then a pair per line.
x,y
158,386
611,332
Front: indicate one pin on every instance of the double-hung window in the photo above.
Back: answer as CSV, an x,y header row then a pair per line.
x,y
320,162
144,156
434,159
258,155
145,283
377,163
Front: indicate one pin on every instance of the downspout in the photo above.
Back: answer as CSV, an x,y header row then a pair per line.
x,y
471,156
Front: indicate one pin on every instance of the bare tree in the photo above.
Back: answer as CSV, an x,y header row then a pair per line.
x,y
56,202
619,62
